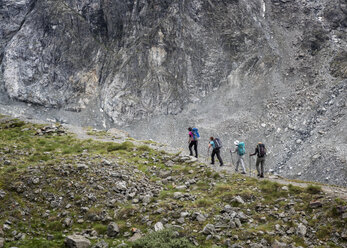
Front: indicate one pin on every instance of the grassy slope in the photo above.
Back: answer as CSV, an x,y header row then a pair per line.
x,y
27,151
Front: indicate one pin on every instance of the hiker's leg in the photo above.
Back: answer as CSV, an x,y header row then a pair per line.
x,y
212,156
243,164
219,157
190,148
262,166
237,163
196,148
257,166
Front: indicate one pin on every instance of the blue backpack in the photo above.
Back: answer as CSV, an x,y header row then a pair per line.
x,y
196,134
241,150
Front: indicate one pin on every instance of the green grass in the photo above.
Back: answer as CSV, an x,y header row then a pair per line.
x,y
167,238
313,189
100,228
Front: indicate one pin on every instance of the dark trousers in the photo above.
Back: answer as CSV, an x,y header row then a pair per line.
x,y
260,161
216,151
195,144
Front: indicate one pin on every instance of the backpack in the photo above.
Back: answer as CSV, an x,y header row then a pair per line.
x,y
196,134
241,150
261,150
217,143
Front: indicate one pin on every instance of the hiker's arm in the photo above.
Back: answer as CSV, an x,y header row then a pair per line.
x,y
254,152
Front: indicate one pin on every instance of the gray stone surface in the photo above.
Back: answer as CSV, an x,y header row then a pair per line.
x,y
112,230
77,241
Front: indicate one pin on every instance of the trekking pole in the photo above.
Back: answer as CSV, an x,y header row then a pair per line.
x,y
250,166
232,161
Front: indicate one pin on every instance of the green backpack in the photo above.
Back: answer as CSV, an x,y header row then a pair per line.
x,y
241,150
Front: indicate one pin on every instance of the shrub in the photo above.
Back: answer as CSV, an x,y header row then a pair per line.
x,y
294,189
127,145
313,189
167,238
55,226
204,203
100,228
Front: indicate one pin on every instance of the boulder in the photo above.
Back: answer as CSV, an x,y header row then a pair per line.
x,y
209,229
158,226
315,204
301,229
277,244
135,237
77,241
112,230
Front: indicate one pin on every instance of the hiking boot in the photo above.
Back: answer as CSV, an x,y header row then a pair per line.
x,y
221,165
243,172
258,175
211,163
262,176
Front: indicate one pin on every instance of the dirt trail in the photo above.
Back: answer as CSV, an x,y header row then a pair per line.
x,y
121,136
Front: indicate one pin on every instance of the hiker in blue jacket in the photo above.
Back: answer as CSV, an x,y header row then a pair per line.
x,y
240,151
193,141
216,145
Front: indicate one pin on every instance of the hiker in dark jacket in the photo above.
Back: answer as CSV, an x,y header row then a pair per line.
x,y
215,151
260,150
193,141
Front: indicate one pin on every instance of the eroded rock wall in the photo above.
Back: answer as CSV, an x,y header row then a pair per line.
x,y
270,70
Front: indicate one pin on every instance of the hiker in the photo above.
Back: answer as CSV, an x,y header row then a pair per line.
x,y
240,151
193,141
216,145
260,150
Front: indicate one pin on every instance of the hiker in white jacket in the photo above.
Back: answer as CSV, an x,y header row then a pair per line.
x,y
240,151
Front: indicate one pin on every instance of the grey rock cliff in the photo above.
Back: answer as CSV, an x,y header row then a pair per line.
x,y
269,70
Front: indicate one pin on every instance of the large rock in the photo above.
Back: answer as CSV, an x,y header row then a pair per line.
x,y
77,241
302,229
112,230
209,229
158,226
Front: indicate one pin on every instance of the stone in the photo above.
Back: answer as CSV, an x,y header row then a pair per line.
x,y
178,195
112,230
158,226
301,229
200,218
344,216
277,244
82,166
135,237
344,235
238,199
285,188
209,229
315,204
2,194
36,180
146,199
100,244
2,242
77,241
67,222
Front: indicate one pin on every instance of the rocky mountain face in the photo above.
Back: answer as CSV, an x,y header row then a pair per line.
x,y
254,70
